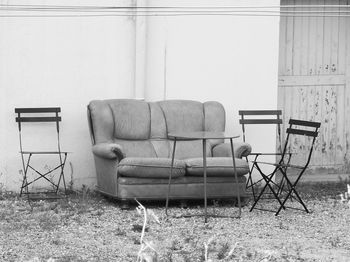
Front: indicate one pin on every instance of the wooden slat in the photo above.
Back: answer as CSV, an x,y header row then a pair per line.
x,y
297,40
288,106
327,41
38,119
304,123
310,115
38,110
260,112
294,141
333,64
305,80
347,97
303,102
340,144
342,40
260,121
311,51
325,127
331,141
319,39
302,132
282,41
304,54
303,141
289,41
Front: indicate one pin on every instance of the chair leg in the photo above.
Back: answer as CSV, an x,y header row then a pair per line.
x,y
258,198
287,197
292,189
268,181
62,164
250,183
25,180
125,204
183,203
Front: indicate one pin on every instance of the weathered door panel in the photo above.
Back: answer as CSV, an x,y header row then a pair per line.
x,y
314,78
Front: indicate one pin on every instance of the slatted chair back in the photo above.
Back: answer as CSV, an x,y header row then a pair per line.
x,y
47,114
296,127
42,115
301,128
261,117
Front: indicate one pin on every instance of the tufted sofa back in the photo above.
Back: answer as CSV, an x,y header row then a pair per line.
x,y
141,127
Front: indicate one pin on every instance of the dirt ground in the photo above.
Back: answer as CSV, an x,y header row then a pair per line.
x,y
90,228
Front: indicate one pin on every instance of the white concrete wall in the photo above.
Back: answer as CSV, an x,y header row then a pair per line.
x,y
62,62
230,59
67,62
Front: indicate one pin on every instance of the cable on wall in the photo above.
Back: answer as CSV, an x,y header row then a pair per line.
x,y
170,11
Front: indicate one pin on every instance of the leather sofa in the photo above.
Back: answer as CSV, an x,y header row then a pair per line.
x,y
132,151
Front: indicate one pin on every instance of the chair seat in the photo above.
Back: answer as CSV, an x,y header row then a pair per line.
x,y
265,154
31,171
216,166
43,152
150,167
278,164
296,128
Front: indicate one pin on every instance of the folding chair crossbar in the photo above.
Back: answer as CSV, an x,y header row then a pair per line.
x,y
258,117
21,118
291,192
43,175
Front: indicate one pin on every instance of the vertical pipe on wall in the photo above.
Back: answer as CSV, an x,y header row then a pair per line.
x,y
140,52
164,74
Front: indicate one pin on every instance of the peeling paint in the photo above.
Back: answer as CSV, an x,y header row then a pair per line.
x,y
319,93
333,68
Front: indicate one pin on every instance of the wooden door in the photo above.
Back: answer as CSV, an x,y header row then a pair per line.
x,y
314,79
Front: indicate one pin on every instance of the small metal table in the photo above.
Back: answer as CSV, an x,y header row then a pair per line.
x,y
204,136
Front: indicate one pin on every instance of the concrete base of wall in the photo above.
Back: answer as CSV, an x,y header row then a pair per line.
x,y
320,178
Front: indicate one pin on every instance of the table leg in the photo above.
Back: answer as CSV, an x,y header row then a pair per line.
x,y
171,173
236,178
205,178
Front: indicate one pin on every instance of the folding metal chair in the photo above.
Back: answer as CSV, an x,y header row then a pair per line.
x,y
260,117
296,127
51,115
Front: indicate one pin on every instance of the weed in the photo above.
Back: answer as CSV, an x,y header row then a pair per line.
x,y
56,242
335,241
345,197
203,254
119,232
175,245
223,251
147,252
344,180
48,220
169,256
71,182
2,186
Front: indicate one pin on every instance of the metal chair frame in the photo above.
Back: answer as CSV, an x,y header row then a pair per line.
x,y
296,127
26,156
268,117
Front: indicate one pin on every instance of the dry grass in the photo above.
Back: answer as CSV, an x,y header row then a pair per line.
x,y
90,228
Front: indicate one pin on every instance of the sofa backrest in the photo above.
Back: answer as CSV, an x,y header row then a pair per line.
x,y
141,127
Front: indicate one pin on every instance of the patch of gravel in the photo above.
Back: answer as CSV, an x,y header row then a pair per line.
x,y
94,229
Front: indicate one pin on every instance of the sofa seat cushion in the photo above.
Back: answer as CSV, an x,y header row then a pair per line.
x,y
184,180
216,166
149,167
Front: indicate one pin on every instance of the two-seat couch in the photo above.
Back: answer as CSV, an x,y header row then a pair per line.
x,y
132,151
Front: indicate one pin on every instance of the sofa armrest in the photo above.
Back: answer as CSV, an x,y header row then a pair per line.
x,y
108,150
241,149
